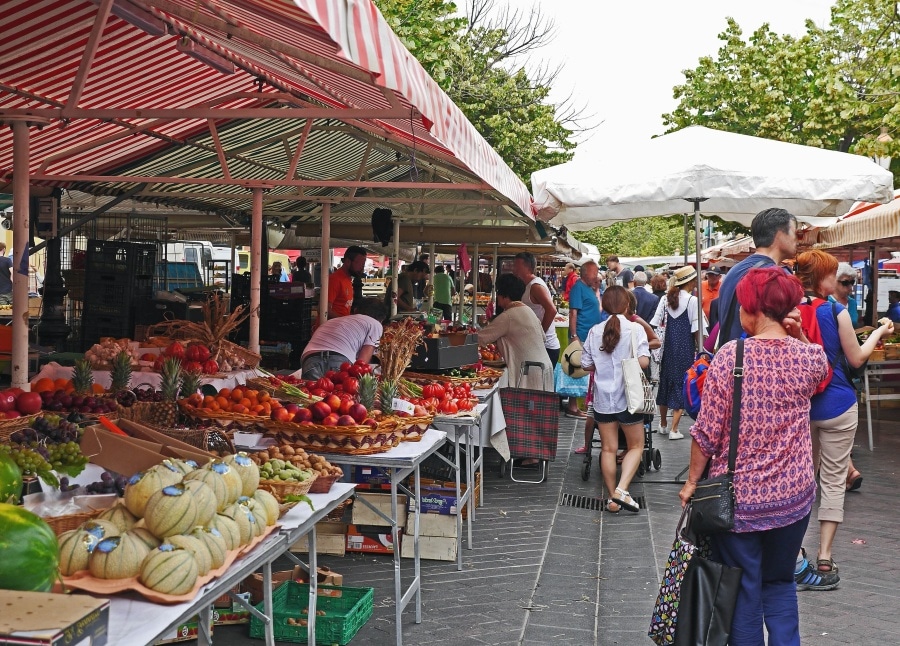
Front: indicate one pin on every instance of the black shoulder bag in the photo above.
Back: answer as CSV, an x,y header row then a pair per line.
x,y
712,506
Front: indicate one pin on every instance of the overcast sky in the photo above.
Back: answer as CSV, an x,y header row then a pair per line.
x,y
622,59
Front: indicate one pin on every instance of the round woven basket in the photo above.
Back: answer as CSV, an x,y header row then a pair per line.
x,y
323,484
62,524
281,489
10,426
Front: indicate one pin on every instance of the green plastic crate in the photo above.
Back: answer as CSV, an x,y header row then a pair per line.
x,y
345,613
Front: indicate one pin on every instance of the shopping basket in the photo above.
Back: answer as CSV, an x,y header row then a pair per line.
x,y
532,420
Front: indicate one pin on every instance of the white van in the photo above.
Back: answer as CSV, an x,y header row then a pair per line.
x,y
198,253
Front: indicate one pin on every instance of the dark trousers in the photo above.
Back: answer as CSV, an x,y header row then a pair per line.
x,y
446,309
554,356
768,591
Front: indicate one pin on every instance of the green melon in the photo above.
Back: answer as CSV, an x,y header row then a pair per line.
x,y
214,481
247,470
195,546
143,535
75,549
215,543
171,511
142,486
268,502
119,516
232,479
245,519
228,529
117,557
101,528
260,515
205,499
183,467
10,480
29,552
170,570
169,471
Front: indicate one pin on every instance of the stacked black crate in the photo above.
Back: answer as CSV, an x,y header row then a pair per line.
x,y
119,281
290,320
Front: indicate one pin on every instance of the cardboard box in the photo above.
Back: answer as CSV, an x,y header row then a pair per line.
x,y
225,601
371,476
129,455
437,525
432,548
371,539
185,632
63,620
232,615
330,539
442,500
362,515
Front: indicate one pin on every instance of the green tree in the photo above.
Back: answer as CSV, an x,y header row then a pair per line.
x,y
662,236
834,87
480,60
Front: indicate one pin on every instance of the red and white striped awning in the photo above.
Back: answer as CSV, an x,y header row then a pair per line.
x,y
119,85
865,222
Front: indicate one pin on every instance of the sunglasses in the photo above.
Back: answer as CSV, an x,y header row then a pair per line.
x,y
847,283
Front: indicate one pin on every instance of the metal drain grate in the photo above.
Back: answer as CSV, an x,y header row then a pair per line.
x,y
580,502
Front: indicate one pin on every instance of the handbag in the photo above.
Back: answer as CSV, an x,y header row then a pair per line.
x,y
638,391
567,386
697,596
712,505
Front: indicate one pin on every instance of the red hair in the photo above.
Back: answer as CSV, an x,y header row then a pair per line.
x,y
813,267
770,291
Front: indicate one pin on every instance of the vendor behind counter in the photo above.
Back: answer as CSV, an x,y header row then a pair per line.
x,y
344,339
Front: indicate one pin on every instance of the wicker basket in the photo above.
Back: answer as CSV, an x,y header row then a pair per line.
x,y
205,439
263,383
412,429
374,441
250,359
281,489
323,484
337,514
10,426
62,524
387,424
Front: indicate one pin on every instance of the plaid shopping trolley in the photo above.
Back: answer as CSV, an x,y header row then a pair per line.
x,y
532,419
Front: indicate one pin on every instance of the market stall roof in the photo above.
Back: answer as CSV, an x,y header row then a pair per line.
x,y
865,222
196,102
730,175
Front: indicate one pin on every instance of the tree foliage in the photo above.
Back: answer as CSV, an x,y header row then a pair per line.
x,y
479,59
833,87
662,236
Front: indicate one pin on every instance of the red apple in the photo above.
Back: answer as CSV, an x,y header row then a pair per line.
x,y
346,405
292,408
370,422
358,412
7,401
330,420
319,410
29,403
12,414
333,401
15,391
302,415
346,420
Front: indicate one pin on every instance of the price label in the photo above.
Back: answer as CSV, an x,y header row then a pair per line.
x,y
402,405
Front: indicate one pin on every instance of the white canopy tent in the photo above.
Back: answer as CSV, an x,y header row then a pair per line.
x,y
734,177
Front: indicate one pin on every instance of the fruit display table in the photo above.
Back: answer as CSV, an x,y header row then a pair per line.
x,y
875,372
135,621
229,380
399,463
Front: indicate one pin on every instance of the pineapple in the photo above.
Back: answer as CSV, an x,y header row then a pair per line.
x,y
165,413
368,389
388,393
121,372
190,384
83,377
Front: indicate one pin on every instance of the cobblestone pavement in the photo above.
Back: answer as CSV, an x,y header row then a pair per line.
x,y
544,573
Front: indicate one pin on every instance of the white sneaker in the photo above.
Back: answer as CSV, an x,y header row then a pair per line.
x,y
675,435
662,430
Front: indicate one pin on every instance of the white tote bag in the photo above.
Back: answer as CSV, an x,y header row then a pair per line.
x,y
638,391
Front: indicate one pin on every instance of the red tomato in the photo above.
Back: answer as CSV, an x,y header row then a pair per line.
x,y
345,367
449,407
325,384
351,385
432,403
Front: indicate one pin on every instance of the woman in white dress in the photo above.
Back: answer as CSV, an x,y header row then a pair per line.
x,y
518,335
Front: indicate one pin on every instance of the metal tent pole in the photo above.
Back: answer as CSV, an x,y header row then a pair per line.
x,y
395,266
700,330
476,274
256,268
431,262
325,262
21,225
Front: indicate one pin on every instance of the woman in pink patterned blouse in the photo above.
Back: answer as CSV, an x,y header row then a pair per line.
x,y
774,482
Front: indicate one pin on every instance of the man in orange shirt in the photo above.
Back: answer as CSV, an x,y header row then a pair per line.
x,y
340,283
710,289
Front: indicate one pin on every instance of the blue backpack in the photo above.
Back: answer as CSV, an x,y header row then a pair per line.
x,y
694,378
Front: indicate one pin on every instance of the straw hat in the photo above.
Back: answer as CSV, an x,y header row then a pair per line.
x,y
684,275
571,360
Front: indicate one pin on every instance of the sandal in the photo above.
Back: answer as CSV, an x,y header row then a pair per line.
x,y
827,566
854,480
624,499
612,503
581,450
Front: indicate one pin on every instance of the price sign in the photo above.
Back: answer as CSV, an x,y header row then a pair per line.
x,y
402,405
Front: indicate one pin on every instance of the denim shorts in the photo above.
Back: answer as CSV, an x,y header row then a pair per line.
x,y
624,418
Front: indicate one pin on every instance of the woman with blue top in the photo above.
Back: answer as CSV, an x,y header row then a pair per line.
x,y
833,414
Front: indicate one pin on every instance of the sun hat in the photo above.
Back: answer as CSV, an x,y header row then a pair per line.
x,y
571,360
684,275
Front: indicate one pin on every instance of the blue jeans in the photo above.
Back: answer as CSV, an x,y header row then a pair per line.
x,y
316,365
768,590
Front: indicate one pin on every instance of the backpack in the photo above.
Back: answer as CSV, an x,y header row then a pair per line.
x,y
694,379
810,325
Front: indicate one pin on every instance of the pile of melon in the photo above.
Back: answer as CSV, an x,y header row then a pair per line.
x,y
175,524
